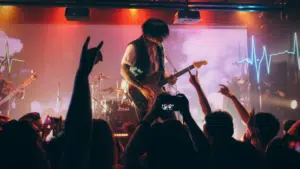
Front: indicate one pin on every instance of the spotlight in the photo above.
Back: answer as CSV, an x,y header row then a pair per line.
x,y
294,104
186,17
77,14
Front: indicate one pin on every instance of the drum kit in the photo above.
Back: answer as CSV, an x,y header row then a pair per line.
x,y
111,104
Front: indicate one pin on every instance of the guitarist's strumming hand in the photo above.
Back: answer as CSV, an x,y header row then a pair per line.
x,y
147,92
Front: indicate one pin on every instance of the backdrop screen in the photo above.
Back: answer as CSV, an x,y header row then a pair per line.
x,y
52,51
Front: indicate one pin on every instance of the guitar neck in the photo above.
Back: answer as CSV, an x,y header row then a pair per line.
x,y
13,93
183,71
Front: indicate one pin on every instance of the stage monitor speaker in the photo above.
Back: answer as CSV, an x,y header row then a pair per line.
x,y
77,14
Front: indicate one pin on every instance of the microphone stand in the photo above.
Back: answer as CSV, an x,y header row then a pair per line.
x,y
58,100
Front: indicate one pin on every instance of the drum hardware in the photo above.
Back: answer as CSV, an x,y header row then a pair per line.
x,y
117,109
96,93
111,90
101,76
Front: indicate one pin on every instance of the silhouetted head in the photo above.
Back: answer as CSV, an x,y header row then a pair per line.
x,y
268,126
34,119
155,30
170,146
219,124
20,147
103,150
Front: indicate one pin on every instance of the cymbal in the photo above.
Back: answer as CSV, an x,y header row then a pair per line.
x,y
101,76
110,89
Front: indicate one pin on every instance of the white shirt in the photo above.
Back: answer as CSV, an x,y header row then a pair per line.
x,y
129,57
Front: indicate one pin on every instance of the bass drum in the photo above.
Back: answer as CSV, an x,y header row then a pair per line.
x,y
122,112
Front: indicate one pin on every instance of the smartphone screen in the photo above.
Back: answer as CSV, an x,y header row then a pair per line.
x,y
167,107
47,121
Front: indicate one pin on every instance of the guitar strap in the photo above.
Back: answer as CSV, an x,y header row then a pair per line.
x,y
2,85
160,53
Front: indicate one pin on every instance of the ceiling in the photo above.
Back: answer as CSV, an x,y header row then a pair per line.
x,y
171,4
223,1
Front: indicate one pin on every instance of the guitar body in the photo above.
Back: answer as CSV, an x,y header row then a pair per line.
x,y
18,89
139,99
155,82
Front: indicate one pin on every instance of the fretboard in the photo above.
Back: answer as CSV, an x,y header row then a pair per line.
x,y
183,71
13,93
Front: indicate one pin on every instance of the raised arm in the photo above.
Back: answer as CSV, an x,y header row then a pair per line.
x,y
202,98
200,141
78,125
238,105
138,142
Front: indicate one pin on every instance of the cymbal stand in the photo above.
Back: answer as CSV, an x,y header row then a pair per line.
x,y
94,100
58,99
102,109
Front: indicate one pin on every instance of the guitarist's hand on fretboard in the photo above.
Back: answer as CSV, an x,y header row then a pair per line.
x,y
172,80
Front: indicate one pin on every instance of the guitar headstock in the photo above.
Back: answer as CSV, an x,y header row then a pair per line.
x,y
200,63
33,76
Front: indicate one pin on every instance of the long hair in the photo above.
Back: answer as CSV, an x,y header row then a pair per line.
x,y
155,28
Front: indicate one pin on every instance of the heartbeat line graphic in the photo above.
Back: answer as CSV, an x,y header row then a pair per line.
x,y
254,60
8,59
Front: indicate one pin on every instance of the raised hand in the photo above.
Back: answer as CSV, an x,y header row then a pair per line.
x,y
225,91
194,80
184,106
89,57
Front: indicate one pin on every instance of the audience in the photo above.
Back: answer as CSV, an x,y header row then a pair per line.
x,y
228,152
34,119
20,147
3,121
160,141
103,147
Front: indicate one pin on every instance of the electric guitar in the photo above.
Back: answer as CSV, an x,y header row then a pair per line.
x,y
18,89
155,83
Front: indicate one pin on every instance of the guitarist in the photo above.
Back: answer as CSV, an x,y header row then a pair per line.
x,y
5,88
144,57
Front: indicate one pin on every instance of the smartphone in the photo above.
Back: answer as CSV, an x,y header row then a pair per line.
x,y
167,107
47,122
171,108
